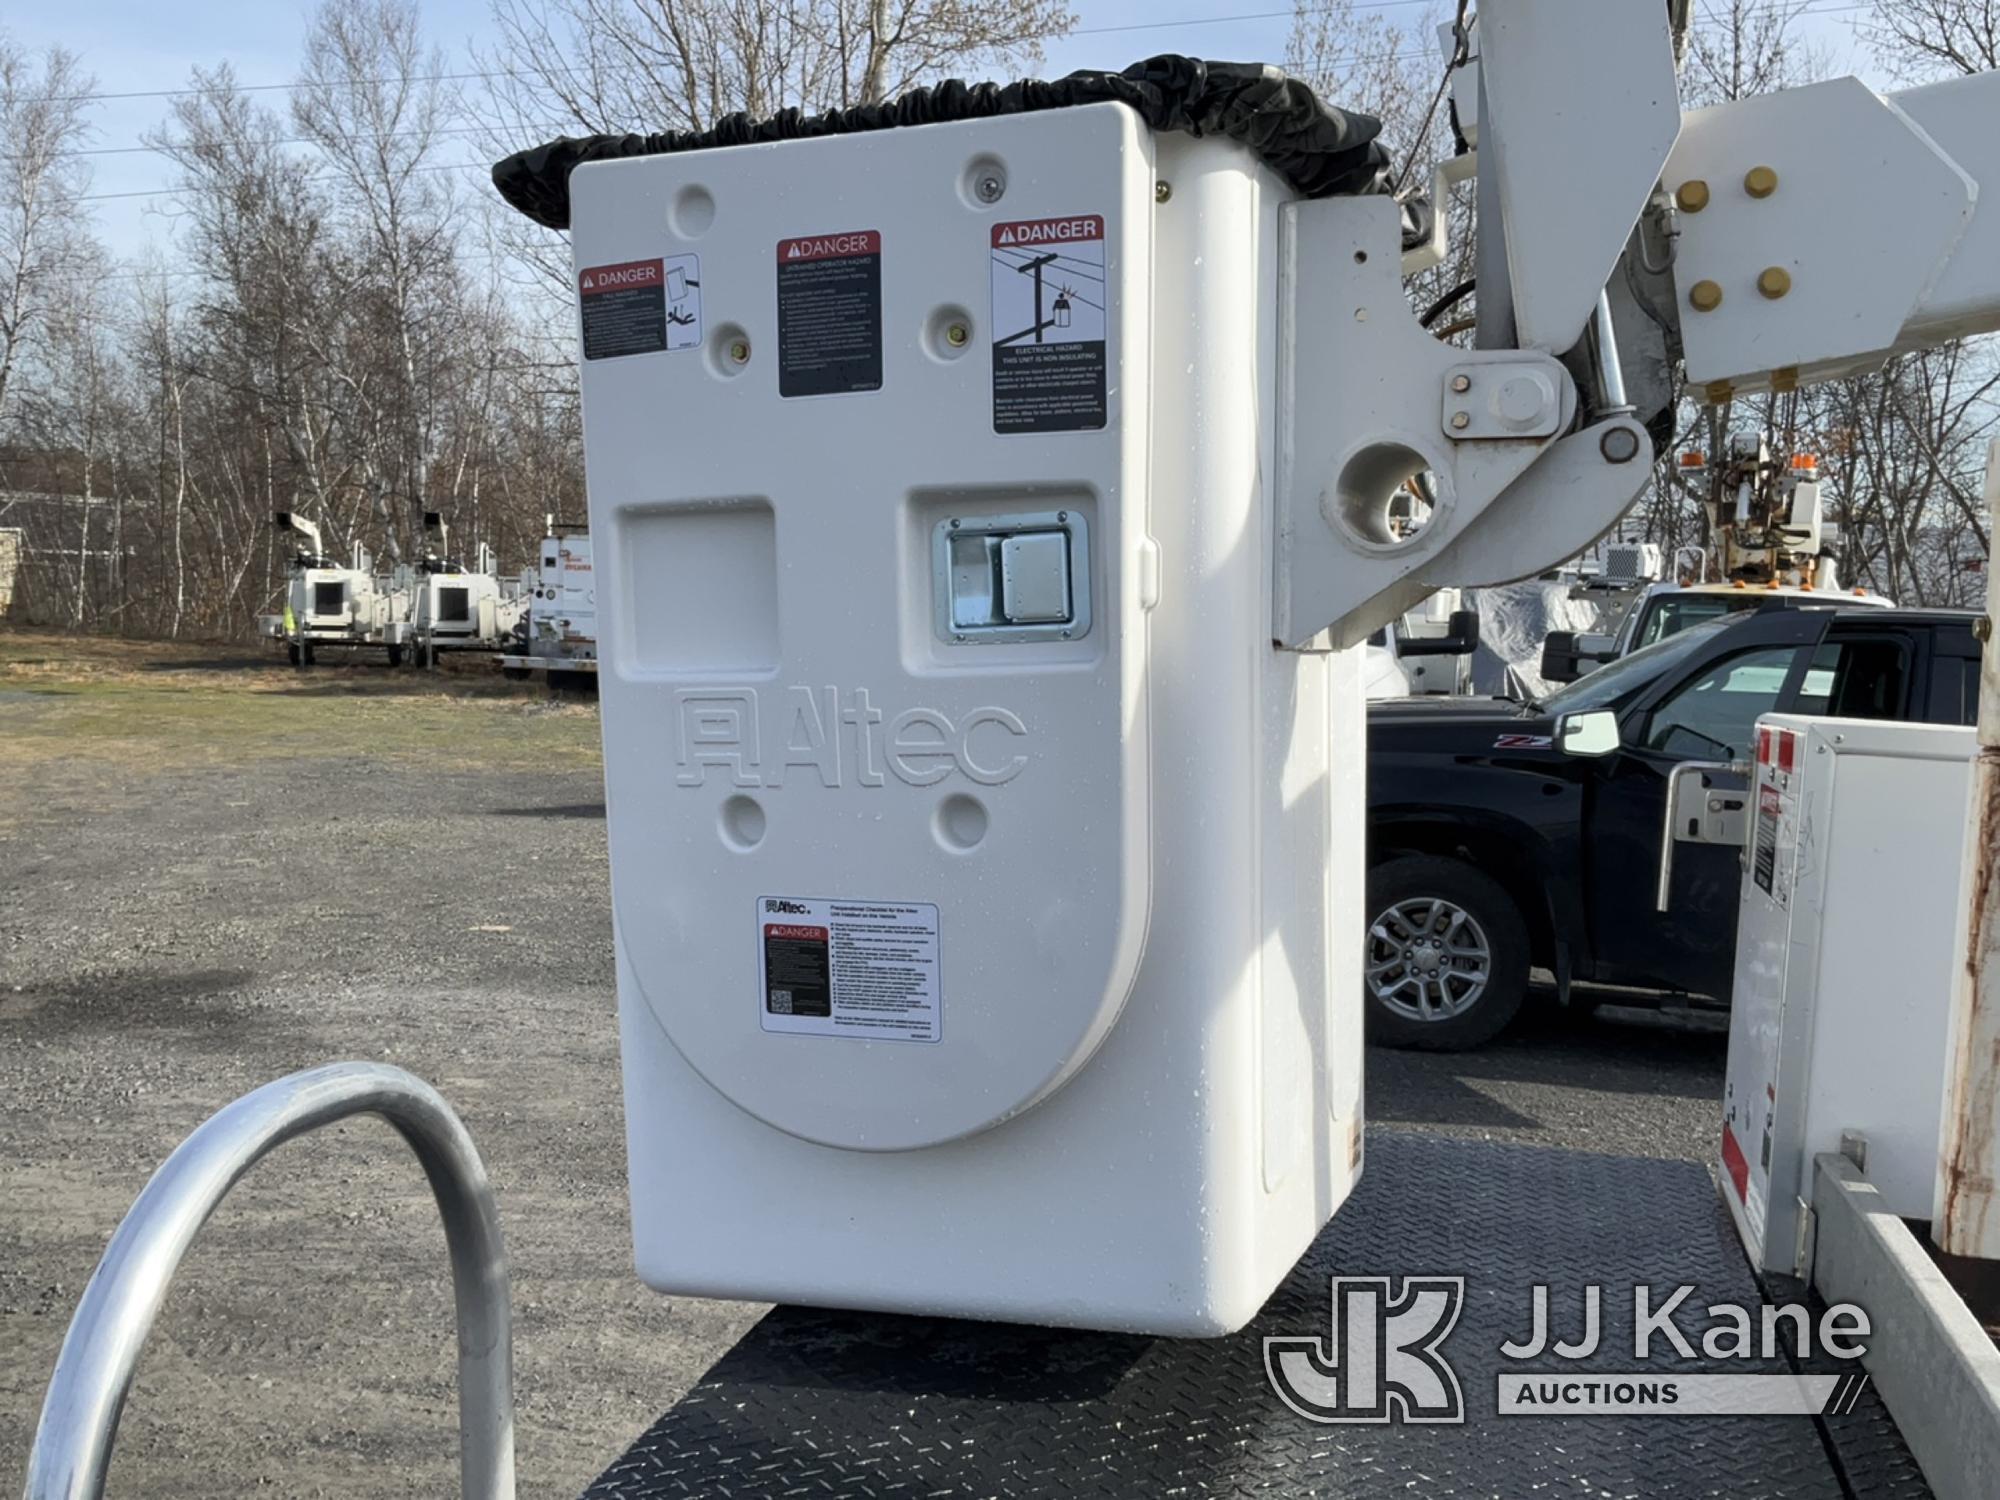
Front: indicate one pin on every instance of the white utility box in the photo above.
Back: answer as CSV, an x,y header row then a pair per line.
x,y
1849,932
986,883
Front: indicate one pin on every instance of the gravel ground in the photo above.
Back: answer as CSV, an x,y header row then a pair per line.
x,y
190,906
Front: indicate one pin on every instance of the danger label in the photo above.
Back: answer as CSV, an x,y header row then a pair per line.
x,y
830,314
1764,860
1050,357
866,969
640,306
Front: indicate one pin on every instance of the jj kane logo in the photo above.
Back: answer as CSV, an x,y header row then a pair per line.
x,y
1382,1362
1384,1359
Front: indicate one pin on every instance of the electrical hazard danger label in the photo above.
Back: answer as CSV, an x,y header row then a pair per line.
x,y
830,314
640,306
1049,352
866,969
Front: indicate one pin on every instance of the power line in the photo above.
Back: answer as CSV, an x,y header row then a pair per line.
x,y
1810,7
294,140
182,192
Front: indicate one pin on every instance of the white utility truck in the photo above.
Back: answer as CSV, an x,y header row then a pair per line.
x,y
989,491
1769,540
1425,651
558,634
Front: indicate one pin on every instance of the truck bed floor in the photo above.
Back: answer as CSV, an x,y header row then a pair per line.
x,y
818,1403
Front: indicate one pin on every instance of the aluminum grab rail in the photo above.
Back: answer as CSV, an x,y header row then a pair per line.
x,y
79,1422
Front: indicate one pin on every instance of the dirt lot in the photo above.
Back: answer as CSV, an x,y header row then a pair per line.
x,y
214,870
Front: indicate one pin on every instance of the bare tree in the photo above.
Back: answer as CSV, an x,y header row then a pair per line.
x,y
594,67
42,227
617,65
370,99
1923,38
1737,48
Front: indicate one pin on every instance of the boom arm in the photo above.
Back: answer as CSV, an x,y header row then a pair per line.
x,y
1758,245
286,520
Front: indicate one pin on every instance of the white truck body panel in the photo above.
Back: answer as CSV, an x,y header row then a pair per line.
x,y
1848,937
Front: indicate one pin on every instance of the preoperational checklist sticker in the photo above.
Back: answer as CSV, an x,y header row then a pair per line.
x,y
640,306
866,969
830,314
1049,296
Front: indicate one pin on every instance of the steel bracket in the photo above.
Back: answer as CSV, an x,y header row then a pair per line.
x,y
1357,381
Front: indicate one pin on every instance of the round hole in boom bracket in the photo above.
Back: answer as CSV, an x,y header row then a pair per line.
x,y
1386,496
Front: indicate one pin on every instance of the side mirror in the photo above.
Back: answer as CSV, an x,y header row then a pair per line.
x,y
1461,638
1567,655
1591,734
1559,658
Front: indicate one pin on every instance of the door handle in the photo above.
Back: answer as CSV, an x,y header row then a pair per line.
x,y
1663,896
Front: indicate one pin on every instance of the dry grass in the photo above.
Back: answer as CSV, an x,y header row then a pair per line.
x,y
150,705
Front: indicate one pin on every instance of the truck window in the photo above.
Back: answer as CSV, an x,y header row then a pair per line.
x,y
1673,613
1714,715
1857,679
1954,697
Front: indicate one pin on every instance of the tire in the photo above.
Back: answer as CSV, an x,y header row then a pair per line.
x,y
292,652
1440,999
306,654
516,674
395,656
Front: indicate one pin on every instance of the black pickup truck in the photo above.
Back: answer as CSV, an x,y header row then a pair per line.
x,y
1505,835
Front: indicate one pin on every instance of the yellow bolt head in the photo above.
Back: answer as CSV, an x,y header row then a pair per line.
x,y
1692,196
1774,282
1760,182
1705,296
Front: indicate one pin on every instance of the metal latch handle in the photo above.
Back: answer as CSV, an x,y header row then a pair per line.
x,y
1663,897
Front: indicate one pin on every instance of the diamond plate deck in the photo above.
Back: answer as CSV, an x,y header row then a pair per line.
x,y
816,1403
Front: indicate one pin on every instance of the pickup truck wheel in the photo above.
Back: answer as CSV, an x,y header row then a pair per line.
x,y
1446,955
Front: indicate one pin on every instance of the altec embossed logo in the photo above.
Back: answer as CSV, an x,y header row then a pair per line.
x,y
834,735
788,908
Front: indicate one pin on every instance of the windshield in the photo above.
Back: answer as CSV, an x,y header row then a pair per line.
x,y
1673,613
1610,685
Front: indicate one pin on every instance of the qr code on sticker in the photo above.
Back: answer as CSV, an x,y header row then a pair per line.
x,y
781,1002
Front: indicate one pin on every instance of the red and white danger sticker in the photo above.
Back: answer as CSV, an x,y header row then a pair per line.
x,y
1051,290
1067,231
640,306
861,969
631,275
831,246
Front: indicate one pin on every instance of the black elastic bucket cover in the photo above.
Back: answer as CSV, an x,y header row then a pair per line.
x,y
1321,151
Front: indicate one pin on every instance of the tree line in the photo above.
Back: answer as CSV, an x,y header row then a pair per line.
x,y
344,324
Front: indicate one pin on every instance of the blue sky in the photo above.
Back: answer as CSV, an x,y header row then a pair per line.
x,y
139,46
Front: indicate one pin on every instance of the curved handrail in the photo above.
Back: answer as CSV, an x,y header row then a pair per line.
x,y
79,1420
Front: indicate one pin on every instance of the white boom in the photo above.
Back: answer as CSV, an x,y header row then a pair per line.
x,y
1785,238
